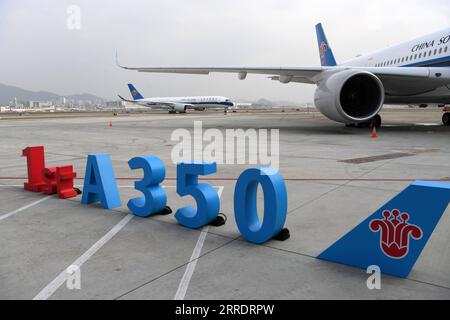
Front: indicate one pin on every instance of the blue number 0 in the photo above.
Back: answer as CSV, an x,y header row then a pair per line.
x,y
155,198
275,204
207,198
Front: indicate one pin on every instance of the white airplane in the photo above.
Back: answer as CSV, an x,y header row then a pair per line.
x,y
179,104
414,72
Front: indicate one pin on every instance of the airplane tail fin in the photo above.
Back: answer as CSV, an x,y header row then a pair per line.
x,y
326,54
394,236
134,93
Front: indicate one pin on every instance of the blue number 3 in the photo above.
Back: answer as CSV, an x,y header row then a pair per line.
x,y
207,198
155,197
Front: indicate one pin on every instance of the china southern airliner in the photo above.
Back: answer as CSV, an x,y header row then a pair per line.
x,y
179,104
416,72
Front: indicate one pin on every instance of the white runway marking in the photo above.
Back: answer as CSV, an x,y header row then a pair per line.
x,y
184,284
427,124
3,217
51,288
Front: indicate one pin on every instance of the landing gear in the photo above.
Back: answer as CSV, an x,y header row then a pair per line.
x,y
376,122
446,119
172,112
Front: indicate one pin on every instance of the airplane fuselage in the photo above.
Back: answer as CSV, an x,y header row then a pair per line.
x,y
200,102
430,51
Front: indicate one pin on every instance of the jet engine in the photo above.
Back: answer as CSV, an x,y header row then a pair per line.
x,y
350,96
180,108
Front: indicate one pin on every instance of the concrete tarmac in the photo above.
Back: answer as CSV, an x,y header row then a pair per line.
x,y
336,177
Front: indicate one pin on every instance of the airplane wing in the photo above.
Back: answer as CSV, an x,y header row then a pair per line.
x,y
410,77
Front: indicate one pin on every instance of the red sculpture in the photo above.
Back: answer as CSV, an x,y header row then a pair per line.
x,y
64,181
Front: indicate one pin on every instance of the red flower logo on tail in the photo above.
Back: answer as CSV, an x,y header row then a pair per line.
x,y
323,49
395,234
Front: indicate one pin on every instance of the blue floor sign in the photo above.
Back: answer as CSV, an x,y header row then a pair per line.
x,y
394,236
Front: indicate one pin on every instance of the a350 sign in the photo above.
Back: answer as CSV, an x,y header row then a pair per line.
x,y
100,186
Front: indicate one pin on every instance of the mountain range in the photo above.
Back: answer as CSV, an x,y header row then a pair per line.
x,y
8,93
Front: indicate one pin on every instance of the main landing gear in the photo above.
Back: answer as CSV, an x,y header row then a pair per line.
x,y
446,119
374,122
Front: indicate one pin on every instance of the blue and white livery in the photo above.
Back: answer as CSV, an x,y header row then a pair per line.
x,y
416,72
178,104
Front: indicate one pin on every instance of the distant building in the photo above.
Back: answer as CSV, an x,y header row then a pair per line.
x,y
113,104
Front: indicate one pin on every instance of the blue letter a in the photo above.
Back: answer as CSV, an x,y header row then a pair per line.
x,y
100,183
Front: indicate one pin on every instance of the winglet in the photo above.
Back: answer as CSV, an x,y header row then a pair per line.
x,y
326,54
118,62
117,59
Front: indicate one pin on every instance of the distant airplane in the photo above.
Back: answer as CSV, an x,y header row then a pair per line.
x,y
179,104
415,72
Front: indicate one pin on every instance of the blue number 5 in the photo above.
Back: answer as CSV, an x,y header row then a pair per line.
x,y
155,198
207,198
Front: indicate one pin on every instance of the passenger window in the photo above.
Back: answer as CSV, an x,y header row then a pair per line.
x,y
440,50
446,49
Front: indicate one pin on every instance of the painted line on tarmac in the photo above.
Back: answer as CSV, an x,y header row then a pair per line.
x,y
5,216
190,268
51,288
77,186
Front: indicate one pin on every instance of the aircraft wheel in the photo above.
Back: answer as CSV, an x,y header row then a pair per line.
x,y
376,121
446,119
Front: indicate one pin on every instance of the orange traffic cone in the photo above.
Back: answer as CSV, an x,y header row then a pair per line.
x,y
374,133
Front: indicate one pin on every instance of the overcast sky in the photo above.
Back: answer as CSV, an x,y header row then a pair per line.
x,y
39,52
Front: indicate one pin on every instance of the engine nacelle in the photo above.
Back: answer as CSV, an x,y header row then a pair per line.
x,y
181,108
350,96
242,75
285,79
